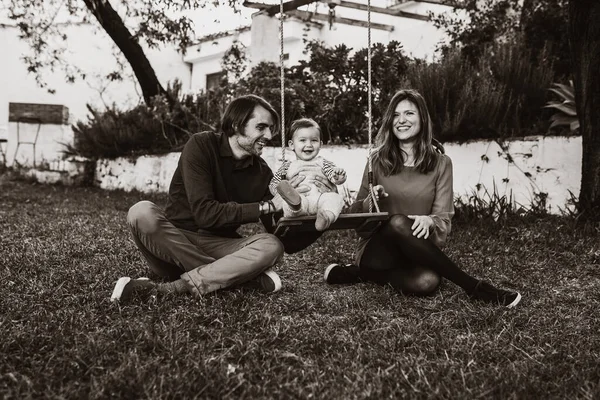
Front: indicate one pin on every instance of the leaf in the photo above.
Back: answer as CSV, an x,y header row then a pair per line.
x,y
559,120
574,125
564,91
569,110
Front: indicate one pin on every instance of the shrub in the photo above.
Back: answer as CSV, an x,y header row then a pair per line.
x,y
157,129
567,112
539,24
114,133
501,95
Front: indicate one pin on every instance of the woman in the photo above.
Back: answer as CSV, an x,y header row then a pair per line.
x,y
413,183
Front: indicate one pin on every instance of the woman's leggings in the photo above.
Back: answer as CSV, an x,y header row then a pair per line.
x,y
409,264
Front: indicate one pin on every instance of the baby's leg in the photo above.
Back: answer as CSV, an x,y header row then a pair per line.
x,y
289,195
329,208
288,211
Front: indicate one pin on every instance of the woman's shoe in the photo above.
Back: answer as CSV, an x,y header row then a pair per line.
x,y
485,292
339,274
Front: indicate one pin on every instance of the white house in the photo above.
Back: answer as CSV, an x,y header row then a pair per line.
x,y
333,23
90,49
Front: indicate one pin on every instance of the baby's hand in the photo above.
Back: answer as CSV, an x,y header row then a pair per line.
x,y
339,176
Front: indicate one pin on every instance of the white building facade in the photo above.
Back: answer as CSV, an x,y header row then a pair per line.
x,y
90,50
411,27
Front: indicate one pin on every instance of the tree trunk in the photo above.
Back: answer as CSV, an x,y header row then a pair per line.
x,y
584,38
113,25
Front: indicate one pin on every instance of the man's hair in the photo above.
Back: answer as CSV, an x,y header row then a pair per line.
x,y
240,110
388,156
303,123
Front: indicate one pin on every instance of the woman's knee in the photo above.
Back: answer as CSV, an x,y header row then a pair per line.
x,y
424,283
143,217
399,225
271,248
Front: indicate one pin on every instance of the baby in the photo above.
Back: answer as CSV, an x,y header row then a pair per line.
x,y
306,143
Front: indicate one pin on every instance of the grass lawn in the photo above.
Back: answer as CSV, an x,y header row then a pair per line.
x,y
62,249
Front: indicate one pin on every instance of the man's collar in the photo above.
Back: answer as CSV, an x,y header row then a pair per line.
x,y
224,146
226,151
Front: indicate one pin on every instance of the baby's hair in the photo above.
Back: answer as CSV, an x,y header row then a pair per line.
x,y
303,123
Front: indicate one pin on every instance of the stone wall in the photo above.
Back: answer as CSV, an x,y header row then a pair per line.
x,y
518,169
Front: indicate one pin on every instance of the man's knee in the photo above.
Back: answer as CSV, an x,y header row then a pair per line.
x,y
142,217
400,225
271,248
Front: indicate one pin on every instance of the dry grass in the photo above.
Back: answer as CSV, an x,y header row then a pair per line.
x,y
62,249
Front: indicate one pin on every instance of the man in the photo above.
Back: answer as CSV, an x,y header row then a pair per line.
x,y
220,183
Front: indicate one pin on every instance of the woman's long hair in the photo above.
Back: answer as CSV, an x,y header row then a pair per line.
x,y
388,157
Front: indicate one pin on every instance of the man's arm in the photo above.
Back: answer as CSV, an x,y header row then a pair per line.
x,y
198,169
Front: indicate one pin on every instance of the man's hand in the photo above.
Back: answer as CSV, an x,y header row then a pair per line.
x,y
422,225
269,206
339,176
324,184
296,181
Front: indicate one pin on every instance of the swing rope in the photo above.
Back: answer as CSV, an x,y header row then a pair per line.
x,y
370,111
282,79
369,94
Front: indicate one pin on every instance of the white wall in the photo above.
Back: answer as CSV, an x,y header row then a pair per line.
x,y
90,50
419,38
553,165
49,146
205,57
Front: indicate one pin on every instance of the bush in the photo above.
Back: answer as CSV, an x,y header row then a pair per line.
x,y
502,95
113,133
156,129
566,110
541,25
331,87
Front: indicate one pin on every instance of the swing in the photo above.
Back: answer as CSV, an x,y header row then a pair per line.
x,y
362,222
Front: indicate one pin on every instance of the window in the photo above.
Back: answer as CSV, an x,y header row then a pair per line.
x,y
214,80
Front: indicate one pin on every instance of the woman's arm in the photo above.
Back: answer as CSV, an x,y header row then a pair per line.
x,y
442,209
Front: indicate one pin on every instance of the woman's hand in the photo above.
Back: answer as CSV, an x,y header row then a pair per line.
x,y
379,192
422,225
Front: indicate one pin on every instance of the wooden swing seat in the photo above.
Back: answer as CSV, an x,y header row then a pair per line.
x,y
364,222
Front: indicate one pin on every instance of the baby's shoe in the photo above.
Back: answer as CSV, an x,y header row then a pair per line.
x,y
289,195
324,220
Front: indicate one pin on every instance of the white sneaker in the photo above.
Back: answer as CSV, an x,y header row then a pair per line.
x,y
328,270
269,281
125,286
